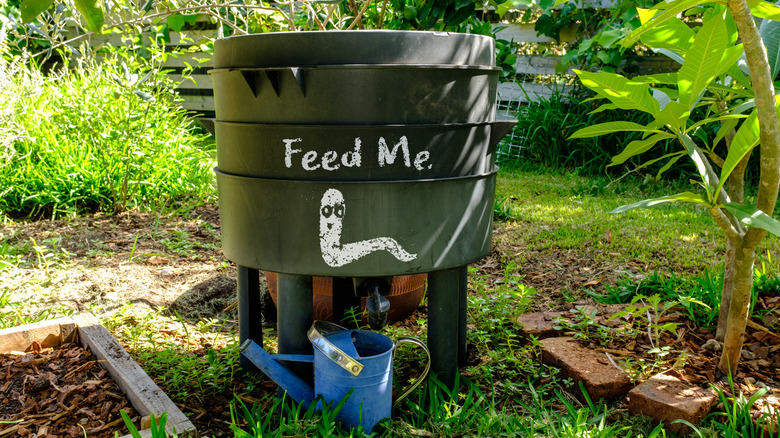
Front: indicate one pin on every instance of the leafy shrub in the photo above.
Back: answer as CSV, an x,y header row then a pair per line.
x,y
541,137
102,136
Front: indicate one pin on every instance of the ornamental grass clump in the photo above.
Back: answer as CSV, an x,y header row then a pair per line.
x,y
102,136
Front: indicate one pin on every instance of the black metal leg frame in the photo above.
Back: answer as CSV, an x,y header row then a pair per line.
x,y
447,309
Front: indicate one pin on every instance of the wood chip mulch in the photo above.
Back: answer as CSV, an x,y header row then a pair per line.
x,y
58,393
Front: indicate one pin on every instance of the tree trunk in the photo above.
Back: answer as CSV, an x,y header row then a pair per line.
x,y
738,310
769,138
736,190
728,286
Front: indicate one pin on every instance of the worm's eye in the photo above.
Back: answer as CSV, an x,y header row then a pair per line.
x,y
339,210
327,210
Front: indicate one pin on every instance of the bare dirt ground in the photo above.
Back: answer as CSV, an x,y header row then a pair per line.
x,y
107,261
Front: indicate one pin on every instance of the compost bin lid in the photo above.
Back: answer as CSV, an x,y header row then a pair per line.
x,y
340,47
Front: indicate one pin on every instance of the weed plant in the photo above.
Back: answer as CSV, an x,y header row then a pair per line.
x,y
737,417
703,289
104,136
14,313
185,360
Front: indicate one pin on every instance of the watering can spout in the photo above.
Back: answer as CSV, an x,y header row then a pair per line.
x,y
297,388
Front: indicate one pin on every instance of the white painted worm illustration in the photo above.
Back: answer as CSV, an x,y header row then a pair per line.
x,y
338,254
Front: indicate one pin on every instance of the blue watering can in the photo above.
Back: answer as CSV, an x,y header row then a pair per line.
x,y
344,360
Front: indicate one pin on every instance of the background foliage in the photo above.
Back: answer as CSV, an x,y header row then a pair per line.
x,y
97,137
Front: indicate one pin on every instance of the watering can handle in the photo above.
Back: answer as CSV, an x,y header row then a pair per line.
x,y
424,374
333,352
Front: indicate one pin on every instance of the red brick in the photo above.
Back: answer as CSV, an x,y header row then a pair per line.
x,y
667,398
538,325
601,378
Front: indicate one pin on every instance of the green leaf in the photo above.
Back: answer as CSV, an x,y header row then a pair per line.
x,y
32,8
744,141
668,165
626,94
672,35
699,160
729,59
645,15
649,203
674,56
708,120
176,22
738,91
144,95
764,9
674,8
610,127
732,33
129,424
605,107
661,97
725,128
637,147
751,216
702,61
92,13
669,326
770,33
736,73
658,78
608,38
674,115
503,8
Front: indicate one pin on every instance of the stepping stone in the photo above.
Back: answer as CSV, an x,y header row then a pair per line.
x,y
601,378
539,325
666,398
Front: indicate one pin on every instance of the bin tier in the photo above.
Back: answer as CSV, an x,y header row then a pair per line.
x,y
355,229
285,49
357,153
352,95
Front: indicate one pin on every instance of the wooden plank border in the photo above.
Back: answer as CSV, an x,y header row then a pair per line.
x,y
145,396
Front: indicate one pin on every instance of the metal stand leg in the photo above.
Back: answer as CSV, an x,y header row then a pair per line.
x,y
249,310
463,282
294,317
443,321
